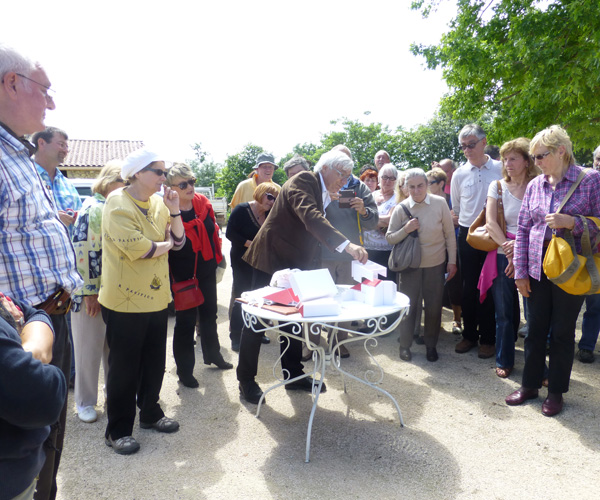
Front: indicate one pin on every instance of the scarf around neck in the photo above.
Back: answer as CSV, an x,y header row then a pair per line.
x,y
195,230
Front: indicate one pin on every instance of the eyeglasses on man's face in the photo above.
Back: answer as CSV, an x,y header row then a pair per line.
x,y
341,174
540,156
185,184
471,145
46,88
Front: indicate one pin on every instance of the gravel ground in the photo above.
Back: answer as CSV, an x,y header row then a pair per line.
x,y
460,440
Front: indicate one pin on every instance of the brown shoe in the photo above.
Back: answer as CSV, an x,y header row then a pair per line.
x,y
520,396
486,351
465,345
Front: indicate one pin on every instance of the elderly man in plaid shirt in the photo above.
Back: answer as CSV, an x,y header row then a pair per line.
x,y
37,261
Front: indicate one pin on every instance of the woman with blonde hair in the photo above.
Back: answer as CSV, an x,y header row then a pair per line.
x,y
89,331
244,222
198,259
518,170
549,308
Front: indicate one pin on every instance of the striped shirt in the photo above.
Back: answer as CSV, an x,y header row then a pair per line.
x,y
36,254
541,200
64,193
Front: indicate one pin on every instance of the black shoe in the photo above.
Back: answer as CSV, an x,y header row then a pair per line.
x,y
585,356
432,354
251,392
219,362
405,354
164,424
189,381
304,384
265,339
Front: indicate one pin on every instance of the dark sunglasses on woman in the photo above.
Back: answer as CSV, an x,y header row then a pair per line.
x,y
184,184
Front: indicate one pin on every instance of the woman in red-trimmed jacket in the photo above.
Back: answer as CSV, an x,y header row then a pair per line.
x,y
203,248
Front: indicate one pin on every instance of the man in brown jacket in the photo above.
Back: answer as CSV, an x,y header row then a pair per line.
x,y
291,237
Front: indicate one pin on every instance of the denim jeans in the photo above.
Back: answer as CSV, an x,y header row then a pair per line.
x,y
591,323
506,304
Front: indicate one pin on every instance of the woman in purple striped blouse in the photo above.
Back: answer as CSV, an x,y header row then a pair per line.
x,y
550,309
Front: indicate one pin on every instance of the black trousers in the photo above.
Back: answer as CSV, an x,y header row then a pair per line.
x,y
136,367
242,282
185,326
61,358
550,309
479,319
251,342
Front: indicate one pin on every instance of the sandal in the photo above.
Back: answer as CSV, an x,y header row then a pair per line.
x,y
504,372
456,328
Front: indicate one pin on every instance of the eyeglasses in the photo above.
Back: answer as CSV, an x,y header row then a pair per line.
x,y
471,145
342,175
270,197
46,88
386,178
431,183
541,156
157,171
184,184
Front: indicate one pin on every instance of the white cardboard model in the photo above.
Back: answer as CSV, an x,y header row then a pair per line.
x,y
370,270
310,285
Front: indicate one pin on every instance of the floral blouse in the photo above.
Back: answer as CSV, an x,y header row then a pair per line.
x,y
87,241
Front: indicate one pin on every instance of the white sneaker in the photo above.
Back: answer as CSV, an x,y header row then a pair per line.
x,y
88,414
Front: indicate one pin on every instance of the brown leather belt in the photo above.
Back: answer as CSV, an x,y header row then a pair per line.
x,y
58,303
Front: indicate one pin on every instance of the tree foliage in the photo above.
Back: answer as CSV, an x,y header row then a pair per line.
x,y
206,172
525,63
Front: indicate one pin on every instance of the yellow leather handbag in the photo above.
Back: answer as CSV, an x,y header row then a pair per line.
x,y
575,274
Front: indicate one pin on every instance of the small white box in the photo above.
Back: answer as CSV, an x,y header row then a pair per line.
x,y
389,292
373,295
320,307
309,285
370,270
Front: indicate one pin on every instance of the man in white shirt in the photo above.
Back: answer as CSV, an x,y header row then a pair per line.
x,y
469,195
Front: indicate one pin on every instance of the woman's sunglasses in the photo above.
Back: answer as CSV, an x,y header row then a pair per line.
x,y
185,184
270,197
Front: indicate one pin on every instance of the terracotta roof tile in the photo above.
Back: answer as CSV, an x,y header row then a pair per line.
x,y
95,153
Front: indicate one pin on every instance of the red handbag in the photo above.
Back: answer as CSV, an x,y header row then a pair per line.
x,y
187,294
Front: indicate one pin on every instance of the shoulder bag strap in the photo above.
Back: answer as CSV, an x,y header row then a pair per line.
x,y
406,210
572,189
500,209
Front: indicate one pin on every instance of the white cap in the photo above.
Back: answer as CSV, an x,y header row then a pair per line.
x,y
136,161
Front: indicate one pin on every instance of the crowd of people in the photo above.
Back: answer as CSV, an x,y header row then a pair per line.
x,y
107,270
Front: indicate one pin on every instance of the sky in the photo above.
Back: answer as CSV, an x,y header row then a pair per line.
x,y
227,73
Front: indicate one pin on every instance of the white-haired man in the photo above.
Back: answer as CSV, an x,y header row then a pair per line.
x,y
37,263
291,237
